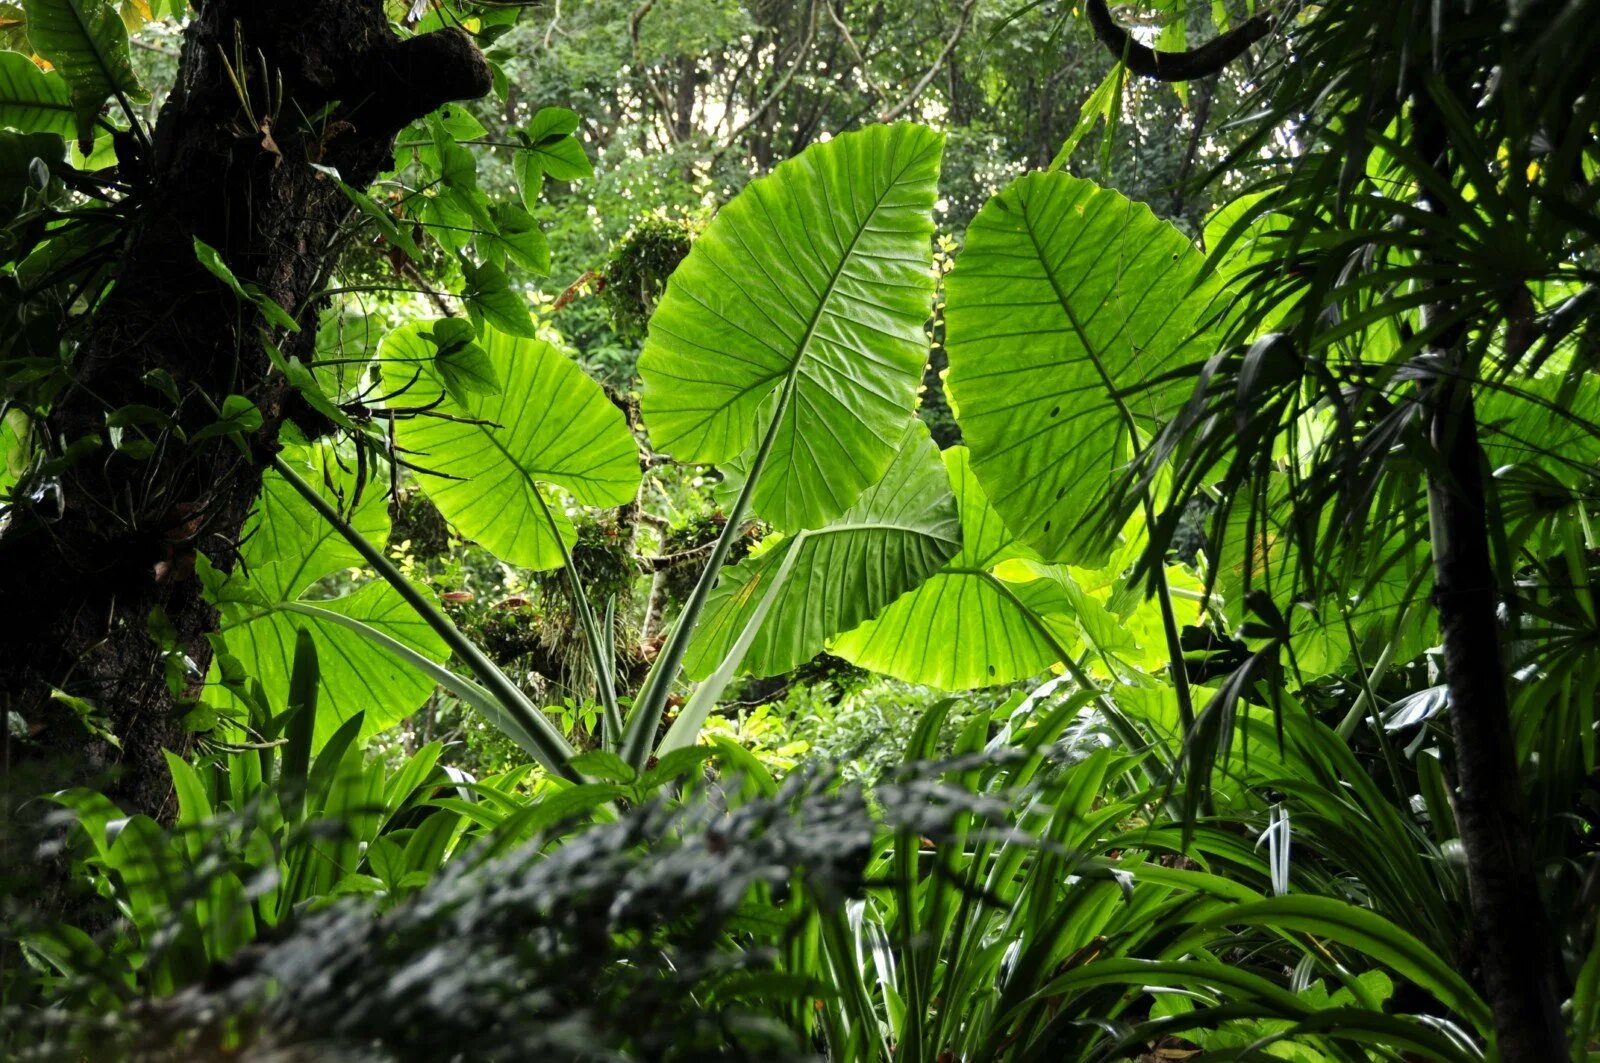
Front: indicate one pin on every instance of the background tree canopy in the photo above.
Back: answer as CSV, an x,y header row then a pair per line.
x,y
684,529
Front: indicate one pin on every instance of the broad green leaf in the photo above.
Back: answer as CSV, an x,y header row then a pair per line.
x,y
15,449
518,238
458,172
86,41
287,551
286,548
548,424
460,123
1066,306
31,100
238,415
461,363
816,282
899,532
965,627
493,303
549,149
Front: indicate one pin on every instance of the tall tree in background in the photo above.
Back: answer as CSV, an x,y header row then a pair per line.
x,y
274,104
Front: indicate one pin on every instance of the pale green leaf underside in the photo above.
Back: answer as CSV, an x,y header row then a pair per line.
x,y
818,273
548,424
31,100
964,627
899,532
1066,304
288,549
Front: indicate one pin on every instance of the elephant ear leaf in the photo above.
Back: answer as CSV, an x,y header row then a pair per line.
x,y
520,415
87,42
964,627
276,592
899,532
807,294
1067,312
33,101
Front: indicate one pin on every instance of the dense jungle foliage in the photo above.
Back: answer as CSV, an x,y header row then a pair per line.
x,y
982,530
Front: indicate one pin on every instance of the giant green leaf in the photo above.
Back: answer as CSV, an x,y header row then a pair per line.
x,y
899,532
548,423
813,285
86,41
964,627
1065,308
287,552
31,100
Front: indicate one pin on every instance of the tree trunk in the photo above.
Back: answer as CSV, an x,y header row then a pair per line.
x,y
83,578
1513,938
1511,935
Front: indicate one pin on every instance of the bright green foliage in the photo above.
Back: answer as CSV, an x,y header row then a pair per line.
x,y
549,149
261,835
287,553
809,289
964,627
898,533
532,418
33,100
1256,852
86,41
1065,309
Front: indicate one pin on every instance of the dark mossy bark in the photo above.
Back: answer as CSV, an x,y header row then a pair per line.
x,y
82,575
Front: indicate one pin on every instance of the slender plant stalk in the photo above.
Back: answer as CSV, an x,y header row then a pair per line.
x,y
686,728
459,685
556,752
652,699
1369,682
604,676
1161,773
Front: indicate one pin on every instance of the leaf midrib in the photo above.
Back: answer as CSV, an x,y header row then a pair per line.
x,y
1077,326
803,346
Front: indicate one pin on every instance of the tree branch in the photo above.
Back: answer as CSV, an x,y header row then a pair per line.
x,y
927,79
777,90
1191,65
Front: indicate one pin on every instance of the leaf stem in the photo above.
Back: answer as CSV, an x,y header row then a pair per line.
x,y
652,700
604,678
556,754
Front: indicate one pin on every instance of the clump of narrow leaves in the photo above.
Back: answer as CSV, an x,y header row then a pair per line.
x,y
614,943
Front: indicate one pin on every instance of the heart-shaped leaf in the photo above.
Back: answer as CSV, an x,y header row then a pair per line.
x,y
810,290
547,424
1065,308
